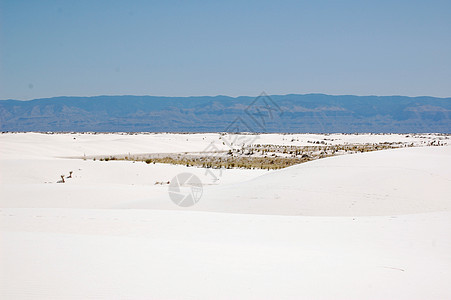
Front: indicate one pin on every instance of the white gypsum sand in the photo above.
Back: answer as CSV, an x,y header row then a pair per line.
x,y
369,225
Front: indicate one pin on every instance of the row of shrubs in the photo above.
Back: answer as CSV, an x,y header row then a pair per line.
x,y
261,156
244,162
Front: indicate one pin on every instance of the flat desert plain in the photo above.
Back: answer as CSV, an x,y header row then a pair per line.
x,y
366,225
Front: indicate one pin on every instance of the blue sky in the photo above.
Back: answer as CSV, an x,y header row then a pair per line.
x,y
183,48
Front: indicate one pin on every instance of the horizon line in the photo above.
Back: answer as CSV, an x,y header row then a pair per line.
x,y
219,95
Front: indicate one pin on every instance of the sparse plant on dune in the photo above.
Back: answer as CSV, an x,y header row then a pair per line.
x,y
62,180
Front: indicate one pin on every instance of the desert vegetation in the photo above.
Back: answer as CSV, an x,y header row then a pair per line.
x,y
259,156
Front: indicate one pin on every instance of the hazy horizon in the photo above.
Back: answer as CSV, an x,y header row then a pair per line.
x,y
218,95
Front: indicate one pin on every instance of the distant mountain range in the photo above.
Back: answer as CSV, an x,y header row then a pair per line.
x,y
315,113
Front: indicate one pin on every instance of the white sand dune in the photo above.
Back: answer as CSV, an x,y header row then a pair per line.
x,y
389,182
363,226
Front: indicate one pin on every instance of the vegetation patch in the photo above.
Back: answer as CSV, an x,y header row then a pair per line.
x,y
257,156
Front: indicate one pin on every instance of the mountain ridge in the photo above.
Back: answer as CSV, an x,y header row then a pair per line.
x,y
316,113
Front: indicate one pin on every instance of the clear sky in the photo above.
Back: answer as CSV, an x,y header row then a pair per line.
x,y
184,48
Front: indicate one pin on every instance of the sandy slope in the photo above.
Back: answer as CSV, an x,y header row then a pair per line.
x,y
364,226
389,182
115,254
